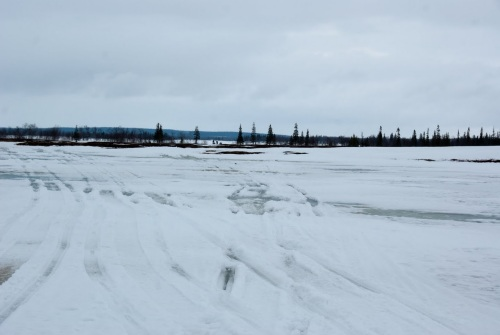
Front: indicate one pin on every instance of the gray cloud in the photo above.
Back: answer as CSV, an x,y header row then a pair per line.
x,y
335,68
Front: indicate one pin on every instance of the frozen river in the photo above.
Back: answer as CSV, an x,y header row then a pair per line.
x,y
181,241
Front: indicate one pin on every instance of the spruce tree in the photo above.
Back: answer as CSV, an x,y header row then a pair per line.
x,y
414,138
270,138
158,135
353,141
379,138
295,136
438,136
306,140
398,138
446,141
239,140
253,135
76,134
196,135
155,135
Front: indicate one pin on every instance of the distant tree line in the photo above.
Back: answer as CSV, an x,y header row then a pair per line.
x,y
297,138
84,133
395,139
434,139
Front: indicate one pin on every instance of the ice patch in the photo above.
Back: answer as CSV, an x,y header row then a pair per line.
x,y
12,175
415,214
253,199
460,217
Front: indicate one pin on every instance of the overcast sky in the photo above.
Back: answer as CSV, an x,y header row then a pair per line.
x,y
334,67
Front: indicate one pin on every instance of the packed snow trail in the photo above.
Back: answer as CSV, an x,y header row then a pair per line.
x,y
175,241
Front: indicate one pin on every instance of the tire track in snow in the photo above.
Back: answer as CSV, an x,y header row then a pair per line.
x,y
34,202
28,221
95,245
96,270
299,273
376,296
20,218
135,260
287,280
51,265
131,258
67,185
25,216
161,243
408,280
303,275
255,269
198,292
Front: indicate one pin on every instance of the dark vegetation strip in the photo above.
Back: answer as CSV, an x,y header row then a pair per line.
x,y
464,160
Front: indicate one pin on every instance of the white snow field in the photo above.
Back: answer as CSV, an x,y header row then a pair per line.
x,y
177,241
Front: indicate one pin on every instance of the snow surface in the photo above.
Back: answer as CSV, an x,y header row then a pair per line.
x,y
176,241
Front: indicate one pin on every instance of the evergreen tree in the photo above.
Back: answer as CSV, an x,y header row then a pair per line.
x,y
414,138
270,138
239,140
155,135
295,136
433,140
302,139
446,141
379,138
76,134
253,135
438,136
353,141
313,140
306,140
158,135
421,139
398,138
196,135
